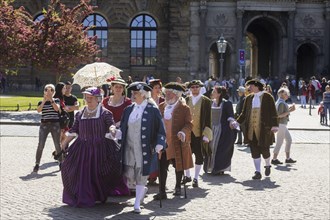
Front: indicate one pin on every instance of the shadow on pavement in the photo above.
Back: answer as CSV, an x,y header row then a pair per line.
x,y
173,205
286,167
259,185
99,211
217,180
33,175
243,149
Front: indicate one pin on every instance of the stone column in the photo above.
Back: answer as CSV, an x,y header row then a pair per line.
x,y
327,41
203,57
239,41
290,52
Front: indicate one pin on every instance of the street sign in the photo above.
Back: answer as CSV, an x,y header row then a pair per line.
x,y
241,57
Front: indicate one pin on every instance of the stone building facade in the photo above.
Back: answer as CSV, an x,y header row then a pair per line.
x,y
280,37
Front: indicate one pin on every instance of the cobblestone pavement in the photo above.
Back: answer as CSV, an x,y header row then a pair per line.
x,y
298,191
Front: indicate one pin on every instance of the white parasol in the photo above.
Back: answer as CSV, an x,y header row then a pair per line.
x,y
95,74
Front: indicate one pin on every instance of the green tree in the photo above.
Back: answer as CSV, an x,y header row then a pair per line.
x,y
60,41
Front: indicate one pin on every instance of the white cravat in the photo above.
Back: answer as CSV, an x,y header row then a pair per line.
x,y
195,99
137,111
256,99
169,110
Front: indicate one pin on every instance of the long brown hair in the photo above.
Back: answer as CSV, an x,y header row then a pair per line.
x,y
223,93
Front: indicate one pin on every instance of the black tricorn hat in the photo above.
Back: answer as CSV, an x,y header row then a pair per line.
x,y
175,86
195,82
255,82
137,86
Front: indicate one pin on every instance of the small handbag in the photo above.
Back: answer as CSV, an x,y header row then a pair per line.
x,y
64,119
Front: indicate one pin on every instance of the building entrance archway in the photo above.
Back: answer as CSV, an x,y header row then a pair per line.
x,y
306,61
264,36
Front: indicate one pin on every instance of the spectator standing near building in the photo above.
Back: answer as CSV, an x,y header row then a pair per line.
x,y
49,108
70,101
321,113
302,92
326,103
238,111
201,134
260,118
318,87
283,111
311,96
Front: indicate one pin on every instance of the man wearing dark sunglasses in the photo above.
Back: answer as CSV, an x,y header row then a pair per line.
x,y
201,134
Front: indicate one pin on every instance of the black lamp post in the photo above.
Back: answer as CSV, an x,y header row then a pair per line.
x,y
222,45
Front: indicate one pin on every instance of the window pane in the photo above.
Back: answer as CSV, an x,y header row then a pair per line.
x,y
153,60
147,52
139,34
139,43
133,43
153,52
147,61
147,44
133,60
153,43
139,60
133,34
147,34
153,35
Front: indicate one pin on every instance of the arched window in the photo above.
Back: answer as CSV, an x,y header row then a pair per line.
x,y
143,41
100,29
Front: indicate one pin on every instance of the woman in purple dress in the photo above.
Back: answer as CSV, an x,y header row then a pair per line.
x,y
92,169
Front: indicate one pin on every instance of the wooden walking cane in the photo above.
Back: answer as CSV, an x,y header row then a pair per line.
x,y
160,179
184,182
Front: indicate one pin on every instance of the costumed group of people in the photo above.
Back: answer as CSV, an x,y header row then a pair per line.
x,y
116,144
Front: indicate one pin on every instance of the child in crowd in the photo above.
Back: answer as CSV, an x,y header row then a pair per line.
x,y
321,112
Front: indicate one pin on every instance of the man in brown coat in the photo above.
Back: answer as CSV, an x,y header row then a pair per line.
x,y
177,120
260,117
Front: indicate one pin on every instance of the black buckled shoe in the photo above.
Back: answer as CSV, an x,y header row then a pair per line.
x,y
267,170
195,183
185,180
177,192
160,196
257,175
